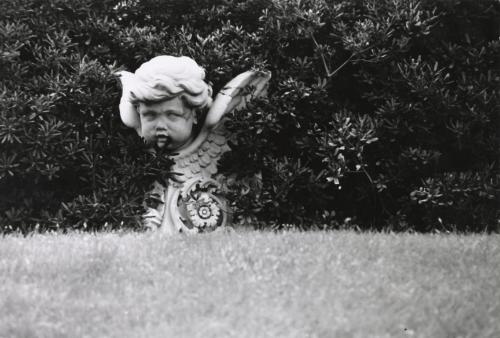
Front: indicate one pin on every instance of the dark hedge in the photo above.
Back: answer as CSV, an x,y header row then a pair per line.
x,y
380,115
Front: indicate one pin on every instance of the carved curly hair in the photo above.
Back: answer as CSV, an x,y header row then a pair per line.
x,y
165,77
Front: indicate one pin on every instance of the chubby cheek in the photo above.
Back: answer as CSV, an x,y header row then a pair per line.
x,y
181,131
148,130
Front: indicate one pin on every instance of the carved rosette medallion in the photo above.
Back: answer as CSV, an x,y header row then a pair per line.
x,y
201,206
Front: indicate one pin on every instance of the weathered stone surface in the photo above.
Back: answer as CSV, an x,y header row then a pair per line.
x,y
165,101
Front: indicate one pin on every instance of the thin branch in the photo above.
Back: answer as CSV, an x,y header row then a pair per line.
x,y
341,66
328,73
322,56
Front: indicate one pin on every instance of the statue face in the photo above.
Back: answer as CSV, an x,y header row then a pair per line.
x,y
168,123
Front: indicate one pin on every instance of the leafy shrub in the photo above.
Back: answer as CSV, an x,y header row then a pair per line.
x,y
380,114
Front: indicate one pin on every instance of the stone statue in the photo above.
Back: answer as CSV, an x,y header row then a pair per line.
x,y
170,106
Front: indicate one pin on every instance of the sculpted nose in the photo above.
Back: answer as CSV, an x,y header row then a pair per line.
x,y
162,125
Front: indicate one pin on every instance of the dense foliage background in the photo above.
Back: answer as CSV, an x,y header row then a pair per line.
x,y
381,114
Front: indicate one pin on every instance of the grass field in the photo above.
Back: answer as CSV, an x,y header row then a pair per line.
x,y
250,284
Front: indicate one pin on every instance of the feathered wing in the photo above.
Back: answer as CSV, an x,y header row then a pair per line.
x,y
203,161
128,113
236,93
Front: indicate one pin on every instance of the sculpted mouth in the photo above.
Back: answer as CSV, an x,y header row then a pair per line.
x,y
162,140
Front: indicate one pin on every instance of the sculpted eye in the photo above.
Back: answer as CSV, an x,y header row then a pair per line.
x,y
149,115
174,116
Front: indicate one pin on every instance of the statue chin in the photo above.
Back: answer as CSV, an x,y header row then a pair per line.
x,y
162,142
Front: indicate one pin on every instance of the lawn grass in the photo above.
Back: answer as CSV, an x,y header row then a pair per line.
x,y
250,284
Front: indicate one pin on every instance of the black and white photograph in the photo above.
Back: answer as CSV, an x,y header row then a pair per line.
x,y
250,168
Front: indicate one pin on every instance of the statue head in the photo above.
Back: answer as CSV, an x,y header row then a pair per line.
x,y
165,98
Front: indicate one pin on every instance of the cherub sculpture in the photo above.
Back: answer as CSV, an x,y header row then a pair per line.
x,y
170,106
